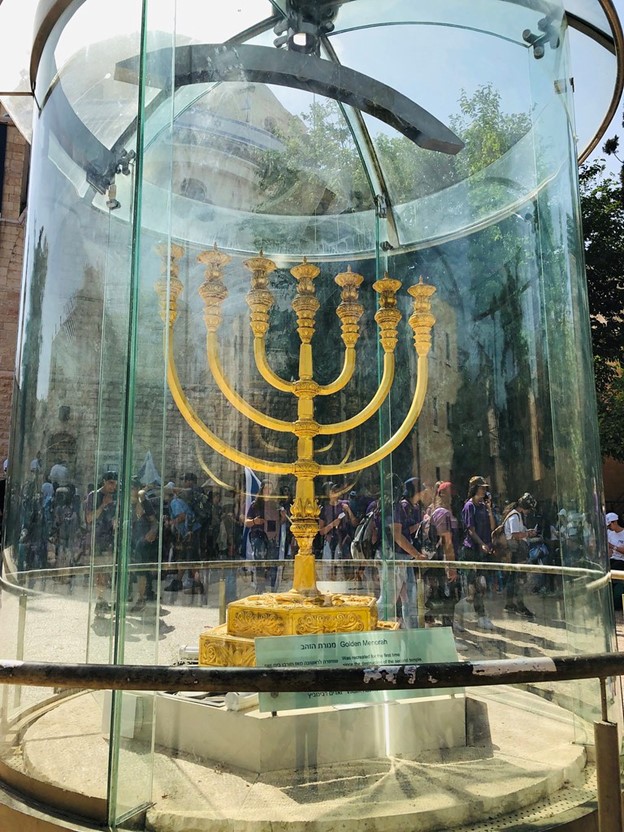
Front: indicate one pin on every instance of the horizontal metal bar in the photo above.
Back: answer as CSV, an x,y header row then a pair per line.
x,y
435,676
16,589
569,571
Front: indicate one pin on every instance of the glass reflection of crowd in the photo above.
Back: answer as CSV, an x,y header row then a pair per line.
x,y
197,527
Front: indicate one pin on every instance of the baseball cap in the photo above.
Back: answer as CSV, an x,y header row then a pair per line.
x,y
611,517
478,482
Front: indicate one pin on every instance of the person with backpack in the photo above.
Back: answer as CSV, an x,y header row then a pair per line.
x,y
440,538
183,528
201,507
517,536
406,518
478,521
101,512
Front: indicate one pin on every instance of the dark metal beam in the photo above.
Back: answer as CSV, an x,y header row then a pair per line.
x,y
267,680
3,144
208,62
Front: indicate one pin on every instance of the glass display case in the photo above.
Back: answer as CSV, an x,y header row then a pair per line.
x,y
304,379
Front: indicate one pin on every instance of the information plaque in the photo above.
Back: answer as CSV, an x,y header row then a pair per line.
x,y
378,648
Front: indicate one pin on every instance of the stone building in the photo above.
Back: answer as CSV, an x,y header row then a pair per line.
x,y
14,160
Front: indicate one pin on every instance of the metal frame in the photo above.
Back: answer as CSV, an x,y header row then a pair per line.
x,y
49,12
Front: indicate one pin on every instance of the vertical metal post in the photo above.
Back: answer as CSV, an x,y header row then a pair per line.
x,y
608,770
420,596
222,598
21,631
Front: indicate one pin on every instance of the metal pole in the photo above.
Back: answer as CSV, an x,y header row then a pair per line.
x,y
21,631
420,597
222,605
608,775
426,675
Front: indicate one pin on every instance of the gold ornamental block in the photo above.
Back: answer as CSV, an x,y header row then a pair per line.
x,y
291,614
218,649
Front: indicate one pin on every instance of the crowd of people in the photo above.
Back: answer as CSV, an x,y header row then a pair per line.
x,y
178,532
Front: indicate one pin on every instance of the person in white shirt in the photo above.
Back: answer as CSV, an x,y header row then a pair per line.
x,y
615,538
517,534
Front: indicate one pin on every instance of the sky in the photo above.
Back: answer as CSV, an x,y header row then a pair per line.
x,y
616,125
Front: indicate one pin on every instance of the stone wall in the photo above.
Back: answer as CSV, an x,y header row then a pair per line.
x,y
12,224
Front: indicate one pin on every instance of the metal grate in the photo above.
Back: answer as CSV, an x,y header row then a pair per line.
x,y
567,799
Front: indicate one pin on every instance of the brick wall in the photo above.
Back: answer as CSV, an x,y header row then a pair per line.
x,y
12,222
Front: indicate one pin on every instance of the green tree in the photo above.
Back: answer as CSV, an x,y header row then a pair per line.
x,y
318,156
602,206
486,130
610,397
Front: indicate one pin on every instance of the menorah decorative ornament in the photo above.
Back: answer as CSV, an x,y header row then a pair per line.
x,y
303,609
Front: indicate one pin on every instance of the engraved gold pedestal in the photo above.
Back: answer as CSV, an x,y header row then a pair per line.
x,y
284,614
304,610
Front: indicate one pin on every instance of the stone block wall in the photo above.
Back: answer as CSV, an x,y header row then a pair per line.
x,y
12,224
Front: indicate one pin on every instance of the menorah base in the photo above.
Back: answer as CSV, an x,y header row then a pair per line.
x,y
284,614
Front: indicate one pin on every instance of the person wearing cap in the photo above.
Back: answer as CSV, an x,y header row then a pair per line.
x,y
615,539
478,521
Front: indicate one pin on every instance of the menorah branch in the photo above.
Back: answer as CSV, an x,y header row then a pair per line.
x,y
266,372
208,471
344,378
233,397
394,442
371,408
204,433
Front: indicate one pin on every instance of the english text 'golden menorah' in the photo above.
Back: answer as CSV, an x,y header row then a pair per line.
x,y
305,509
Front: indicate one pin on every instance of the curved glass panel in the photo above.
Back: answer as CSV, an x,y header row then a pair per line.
x,y
296,391
589,11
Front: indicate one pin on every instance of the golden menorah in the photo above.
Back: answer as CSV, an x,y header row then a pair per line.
x,y
304,609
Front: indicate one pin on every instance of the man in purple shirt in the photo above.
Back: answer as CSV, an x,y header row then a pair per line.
x,y
478,521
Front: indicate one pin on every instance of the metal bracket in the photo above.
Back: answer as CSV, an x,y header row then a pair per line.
x,y
549,34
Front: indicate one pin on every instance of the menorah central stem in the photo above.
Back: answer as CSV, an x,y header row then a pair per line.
x,y
305,508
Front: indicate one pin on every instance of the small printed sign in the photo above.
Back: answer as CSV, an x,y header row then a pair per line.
x,y
369,649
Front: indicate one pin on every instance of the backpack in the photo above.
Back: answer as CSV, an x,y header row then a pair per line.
x,y
362,543
427,539
201,506
500,544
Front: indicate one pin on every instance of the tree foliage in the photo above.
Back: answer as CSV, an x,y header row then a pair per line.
x,y
319,168
602,205
486,130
